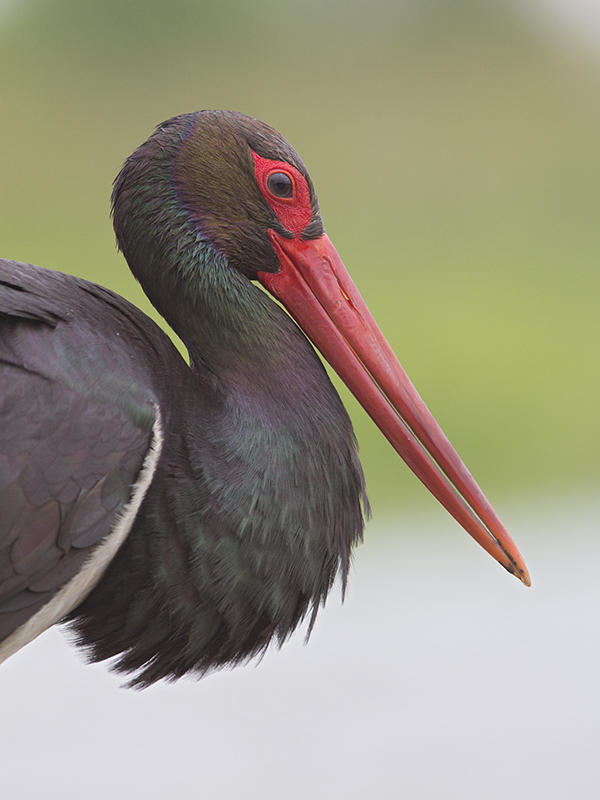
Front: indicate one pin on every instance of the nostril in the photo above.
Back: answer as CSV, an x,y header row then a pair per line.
x,y
345,295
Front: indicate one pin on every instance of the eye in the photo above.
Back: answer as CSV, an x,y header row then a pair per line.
x,y
280,184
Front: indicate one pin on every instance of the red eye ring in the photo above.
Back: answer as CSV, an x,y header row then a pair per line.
x,y
281,185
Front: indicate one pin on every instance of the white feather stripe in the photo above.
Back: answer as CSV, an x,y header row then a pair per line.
x,y
80,585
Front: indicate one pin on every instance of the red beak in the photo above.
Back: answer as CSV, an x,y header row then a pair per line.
x,y
315,288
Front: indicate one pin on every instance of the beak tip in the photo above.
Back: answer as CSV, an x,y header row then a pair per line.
x,y
523,575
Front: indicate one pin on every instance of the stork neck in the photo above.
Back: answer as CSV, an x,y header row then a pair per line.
x,y
223,318
229,326
240,339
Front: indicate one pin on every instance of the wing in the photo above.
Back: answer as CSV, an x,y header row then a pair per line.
x,y
71,452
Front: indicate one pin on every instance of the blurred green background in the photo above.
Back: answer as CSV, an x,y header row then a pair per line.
x,y
454,146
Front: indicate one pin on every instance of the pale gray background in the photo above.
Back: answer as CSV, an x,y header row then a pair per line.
x,y
440,677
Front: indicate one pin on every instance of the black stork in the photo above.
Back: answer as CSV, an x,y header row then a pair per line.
x,y
180,517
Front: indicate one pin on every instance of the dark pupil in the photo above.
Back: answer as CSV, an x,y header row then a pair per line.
x,y
280,184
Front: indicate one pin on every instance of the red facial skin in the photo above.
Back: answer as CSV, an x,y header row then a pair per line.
x,y
316,289
294,212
